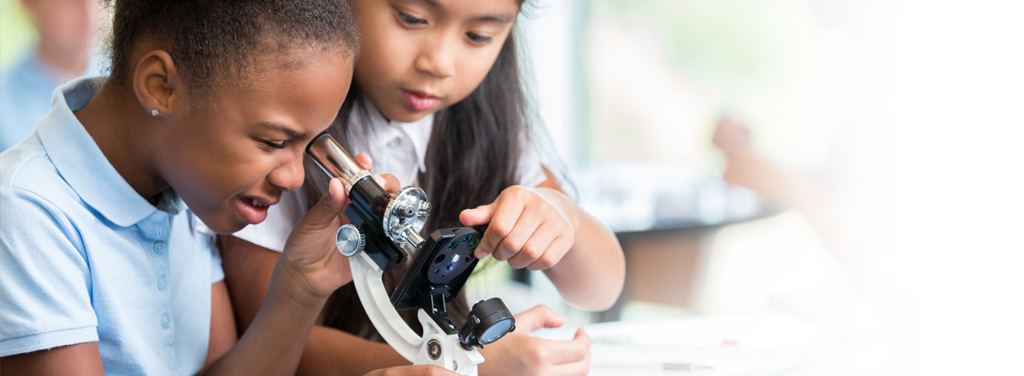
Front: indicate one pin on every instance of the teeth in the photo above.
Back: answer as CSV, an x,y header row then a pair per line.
x,y
256,204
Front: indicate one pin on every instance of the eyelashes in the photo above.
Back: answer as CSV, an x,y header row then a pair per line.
x,y
413,21
410,20
477,38
274,145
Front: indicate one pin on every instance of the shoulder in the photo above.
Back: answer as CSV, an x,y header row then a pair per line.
x,y
34,195
27,171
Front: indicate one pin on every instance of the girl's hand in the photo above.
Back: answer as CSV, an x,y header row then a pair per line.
x,y
420,370
311,255
529,227
520,354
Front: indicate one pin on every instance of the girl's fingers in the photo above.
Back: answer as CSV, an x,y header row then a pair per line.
x,y
569,352
538,317
481,215
505,214
389,182
550,259
534,253
364,161
512,244
325,211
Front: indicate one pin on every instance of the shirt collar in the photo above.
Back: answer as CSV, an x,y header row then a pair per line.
x,y
84,167
413,130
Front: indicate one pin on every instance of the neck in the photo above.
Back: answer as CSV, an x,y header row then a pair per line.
x,y
122,130
70,64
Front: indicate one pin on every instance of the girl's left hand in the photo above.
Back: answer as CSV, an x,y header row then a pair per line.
x,y
530,227
520,354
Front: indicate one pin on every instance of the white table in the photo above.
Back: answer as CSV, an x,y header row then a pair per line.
x,y
749,345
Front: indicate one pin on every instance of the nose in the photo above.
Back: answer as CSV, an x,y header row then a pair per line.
x,y
436,56
289,174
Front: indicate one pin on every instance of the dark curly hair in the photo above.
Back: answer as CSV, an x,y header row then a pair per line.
x,y
218,41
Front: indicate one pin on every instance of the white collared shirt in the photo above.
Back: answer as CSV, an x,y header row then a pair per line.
x,y
397,148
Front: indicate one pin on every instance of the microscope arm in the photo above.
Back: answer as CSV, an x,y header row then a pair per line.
x,y
434,347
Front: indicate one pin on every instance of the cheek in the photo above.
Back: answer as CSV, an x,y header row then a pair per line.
x,y
472,71
213,167
381,61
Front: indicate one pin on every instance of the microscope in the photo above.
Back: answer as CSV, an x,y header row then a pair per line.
x,y
381,225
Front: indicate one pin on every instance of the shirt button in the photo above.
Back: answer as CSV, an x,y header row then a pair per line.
x,y
159,247
165,321
395,143
162,283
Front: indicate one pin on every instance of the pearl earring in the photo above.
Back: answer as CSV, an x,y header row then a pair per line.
x,y
155,112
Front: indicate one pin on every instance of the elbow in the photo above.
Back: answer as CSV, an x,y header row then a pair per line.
x,y
616,281
600,299
603,295
610,294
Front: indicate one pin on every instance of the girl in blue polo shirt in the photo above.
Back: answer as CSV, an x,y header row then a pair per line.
x,y
206,112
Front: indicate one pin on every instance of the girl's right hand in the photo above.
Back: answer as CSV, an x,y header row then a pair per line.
x,y
424,370
518,353
310,256
311,261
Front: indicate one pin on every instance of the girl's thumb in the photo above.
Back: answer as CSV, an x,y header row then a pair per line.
x,y
539,317
324,212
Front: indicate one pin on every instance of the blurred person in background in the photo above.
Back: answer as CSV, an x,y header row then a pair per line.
x,y
67,31
817,194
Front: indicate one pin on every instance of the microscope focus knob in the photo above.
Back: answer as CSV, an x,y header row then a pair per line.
x,y
350,240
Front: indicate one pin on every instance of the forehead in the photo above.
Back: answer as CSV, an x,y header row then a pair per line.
x,y
302,90
470,8
282,70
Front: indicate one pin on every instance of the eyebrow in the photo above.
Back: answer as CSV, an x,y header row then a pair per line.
x,y
281,128
487,18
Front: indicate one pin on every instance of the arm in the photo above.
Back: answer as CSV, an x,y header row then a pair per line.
x,y
542,229
593,271
298,287
45,300
248,268
80,359
223,334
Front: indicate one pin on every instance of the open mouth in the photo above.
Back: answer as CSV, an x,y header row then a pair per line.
x,y
256,203
252,210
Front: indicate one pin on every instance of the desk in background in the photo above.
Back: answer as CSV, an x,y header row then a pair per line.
x,y
760,344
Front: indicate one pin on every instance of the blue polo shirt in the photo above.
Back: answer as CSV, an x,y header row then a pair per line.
x,y
84,258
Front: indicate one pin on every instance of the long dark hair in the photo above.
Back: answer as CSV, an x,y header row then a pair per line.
x,y
473,155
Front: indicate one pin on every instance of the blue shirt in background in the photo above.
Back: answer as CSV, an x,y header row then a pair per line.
x,y
25,92
84,258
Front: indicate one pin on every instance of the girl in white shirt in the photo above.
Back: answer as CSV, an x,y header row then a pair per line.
x,y
438,103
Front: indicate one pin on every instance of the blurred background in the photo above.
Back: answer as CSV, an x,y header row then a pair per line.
x,y
850,164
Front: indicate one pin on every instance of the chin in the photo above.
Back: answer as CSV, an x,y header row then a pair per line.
x,y
222,226
405,115
228,230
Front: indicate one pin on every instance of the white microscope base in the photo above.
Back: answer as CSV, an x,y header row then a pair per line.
x,y
366,276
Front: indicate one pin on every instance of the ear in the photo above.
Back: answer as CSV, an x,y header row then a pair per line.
x,y
157,84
